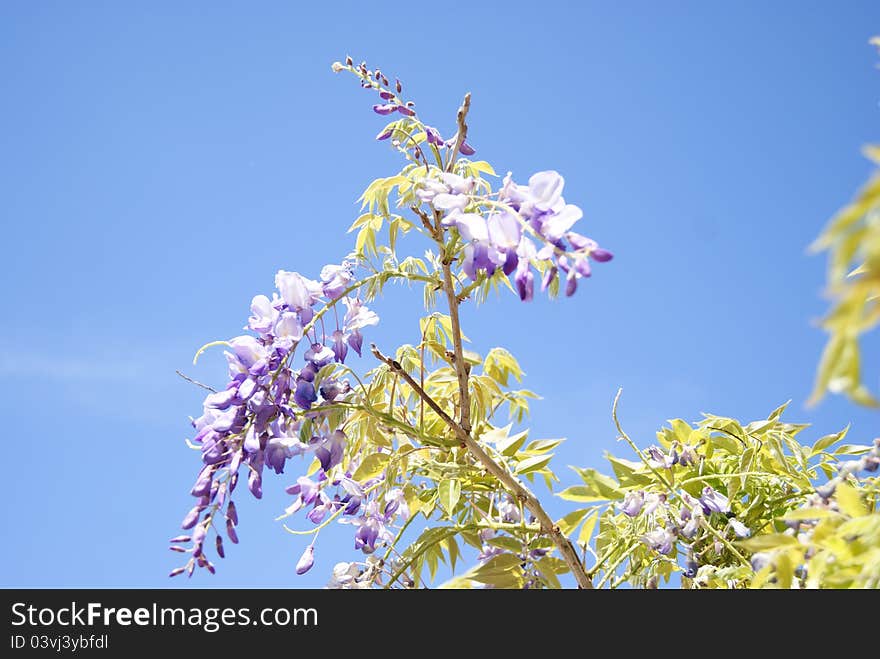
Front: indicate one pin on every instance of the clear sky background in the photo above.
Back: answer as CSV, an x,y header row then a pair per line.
x,y
159,162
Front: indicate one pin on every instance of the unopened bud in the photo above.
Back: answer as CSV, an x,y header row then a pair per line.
x,y
191,518
306,561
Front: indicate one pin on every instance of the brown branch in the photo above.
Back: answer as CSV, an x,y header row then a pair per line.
x,y
462,370
461,136
426,221
510,482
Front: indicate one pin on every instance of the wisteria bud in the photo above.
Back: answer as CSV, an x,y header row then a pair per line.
x,y
191,518
230,532
306,561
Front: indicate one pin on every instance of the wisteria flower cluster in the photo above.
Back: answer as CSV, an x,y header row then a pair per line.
x,y
257,420
505,238
513,230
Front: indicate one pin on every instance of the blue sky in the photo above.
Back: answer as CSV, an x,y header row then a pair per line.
x,y
159,163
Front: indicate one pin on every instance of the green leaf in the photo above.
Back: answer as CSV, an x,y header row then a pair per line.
x,y
784,570
484,167
449,492
533,463
581,493
502,571
543,445
852,449
570,522
828,440
625,470
506,542
510,445
808,514
849,500
767,542
587,529
373,465
600,484
451,545
775,414
682,429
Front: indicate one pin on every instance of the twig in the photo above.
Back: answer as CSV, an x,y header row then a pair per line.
x,y
196,382
461,136
512,484
461,368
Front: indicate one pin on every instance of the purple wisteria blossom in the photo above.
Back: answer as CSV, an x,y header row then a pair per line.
x,y
714,502
690,516
632,503
661,460
740,529
256,421
528,226
660,540
372,528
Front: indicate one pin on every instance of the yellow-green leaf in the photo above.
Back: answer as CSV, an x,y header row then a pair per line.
x,y
580,493
570,522
373,465
502,571
849,500
587,529
484,167
808,514
449,492
767,542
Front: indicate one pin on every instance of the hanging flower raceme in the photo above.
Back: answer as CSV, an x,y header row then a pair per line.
x,y
526,227
257,419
